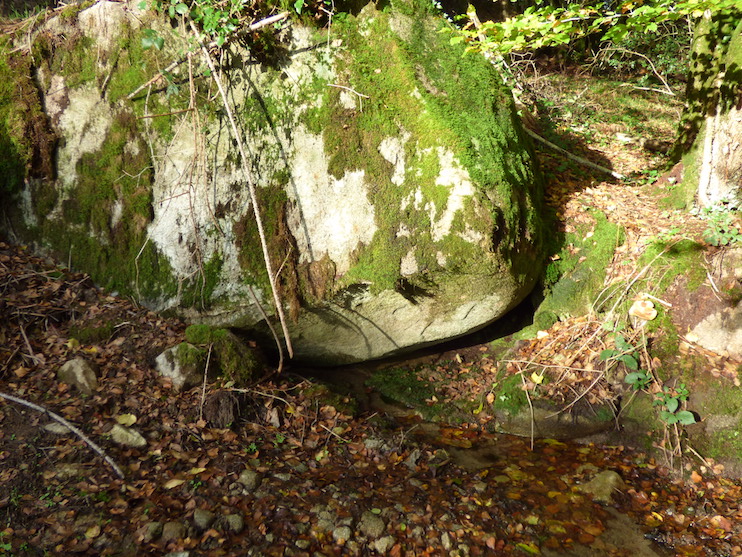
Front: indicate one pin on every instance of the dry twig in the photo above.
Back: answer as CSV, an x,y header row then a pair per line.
x,y
69,426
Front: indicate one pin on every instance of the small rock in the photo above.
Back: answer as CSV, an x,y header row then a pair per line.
x,y
382,545
302,544
250,479
371,525
411,461
282,476
603,486
67,470
127,436
173,531
202,518
479,487
235,523
57,429
342,534
151,531
184,364
178,554
79,373
446,541
324,525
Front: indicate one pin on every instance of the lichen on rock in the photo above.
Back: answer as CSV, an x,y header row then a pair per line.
x,y
399,196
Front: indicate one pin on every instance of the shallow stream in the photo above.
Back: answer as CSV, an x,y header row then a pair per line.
x,y
487,455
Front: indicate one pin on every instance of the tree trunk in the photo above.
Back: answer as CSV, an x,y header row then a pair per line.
x,y
709,142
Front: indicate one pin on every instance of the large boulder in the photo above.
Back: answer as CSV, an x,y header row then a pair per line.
x,y
397,190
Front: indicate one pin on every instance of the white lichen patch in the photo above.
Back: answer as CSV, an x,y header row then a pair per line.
x,y
27,206
415,198
452,175
103,22
392,149
117,209
403,231
84,124
184,201
328,216
408,265
347,100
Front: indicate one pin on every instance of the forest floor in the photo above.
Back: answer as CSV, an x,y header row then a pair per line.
x,y
297,473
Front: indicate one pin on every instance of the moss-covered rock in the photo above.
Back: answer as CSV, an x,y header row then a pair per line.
x,y
236,360
398,194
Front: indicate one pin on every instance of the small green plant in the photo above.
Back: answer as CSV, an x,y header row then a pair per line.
x,y
152,39
49,496
195,484
279,440
670,400
4,546
639,380
252,448
624,352
722,229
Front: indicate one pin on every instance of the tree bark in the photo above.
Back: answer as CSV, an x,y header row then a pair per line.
x,y
709,142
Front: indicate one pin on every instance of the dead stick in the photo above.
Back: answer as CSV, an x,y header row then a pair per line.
x,y
69,426
254,27
251,190
573,157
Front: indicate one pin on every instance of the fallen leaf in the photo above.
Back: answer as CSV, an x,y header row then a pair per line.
x,y
175,482
126,419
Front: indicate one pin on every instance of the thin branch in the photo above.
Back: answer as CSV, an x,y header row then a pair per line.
x,y
203,386
249,29
575,158
323,426
69,426
667,91
530,405
251,188
33,356
164,114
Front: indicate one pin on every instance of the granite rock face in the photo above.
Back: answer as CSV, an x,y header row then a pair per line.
x,y
398,194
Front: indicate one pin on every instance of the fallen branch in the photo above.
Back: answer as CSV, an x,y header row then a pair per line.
x,y
251,189
575,158
69,426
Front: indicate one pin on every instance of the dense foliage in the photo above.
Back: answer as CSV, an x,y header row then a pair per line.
x,y
544,26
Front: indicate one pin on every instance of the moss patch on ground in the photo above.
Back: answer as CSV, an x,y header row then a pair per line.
x,y
575,276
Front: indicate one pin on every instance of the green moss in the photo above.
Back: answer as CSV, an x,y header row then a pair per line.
x,y
272,201
187,354
199,291
402,385
237,361
509,395
26,140
461,107
324,395
579,271
668,261
204,334
726,444
90,334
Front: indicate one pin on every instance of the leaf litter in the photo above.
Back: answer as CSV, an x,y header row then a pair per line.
x,y
313,471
